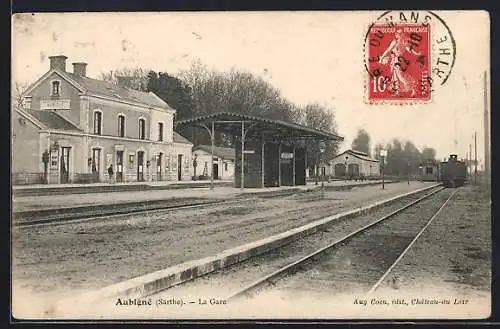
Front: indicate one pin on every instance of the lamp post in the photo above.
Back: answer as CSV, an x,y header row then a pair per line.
x,y
322,148
408,173
383,154
346,158
54,148
195,164
45,160
316,169
420,172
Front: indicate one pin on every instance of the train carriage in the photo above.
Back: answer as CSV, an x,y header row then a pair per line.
x,y
429,171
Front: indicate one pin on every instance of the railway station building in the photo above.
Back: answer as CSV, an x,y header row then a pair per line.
x,y
72,128
268,153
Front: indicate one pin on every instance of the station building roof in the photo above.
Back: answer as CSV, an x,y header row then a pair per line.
x,y
48,119
230,123
178,138
226,153
357,154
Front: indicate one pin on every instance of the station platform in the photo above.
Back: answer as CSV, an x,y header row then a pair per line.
x,y
67,200
105,187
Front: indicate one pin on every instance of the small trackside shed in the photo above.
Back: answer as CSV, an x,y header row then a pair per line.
x,y
354,164
267,152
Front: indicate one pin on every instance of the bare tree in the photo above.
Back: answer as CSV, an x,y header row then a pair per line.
x,y
18,89
139,77
322,118
234,91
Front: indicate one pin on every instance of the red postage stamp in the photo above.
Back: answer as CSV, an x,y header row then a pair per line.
x,y
399,62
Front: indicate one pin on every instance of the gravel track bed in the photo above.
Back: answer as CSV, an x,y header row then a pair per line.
x,y
63,259
229,280
453,255
358,263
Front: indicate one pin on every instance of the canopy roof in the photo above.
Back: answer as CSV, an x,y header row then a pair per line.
x,y
231,123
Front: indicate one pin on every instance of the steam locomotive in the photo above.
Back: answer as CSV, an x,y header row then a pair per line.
x,y
453,173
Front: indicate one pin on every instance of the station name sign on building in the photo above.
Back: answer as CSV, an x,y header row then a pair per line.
x,y
55,104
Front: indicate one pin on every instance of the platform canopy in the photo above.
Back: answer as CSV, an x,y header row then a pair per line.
x,y
255,127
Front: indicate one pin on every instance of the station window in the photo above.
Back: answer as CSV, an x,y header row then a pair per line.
x,y
142,129
160,131
428,170
55,88
121,126
98,122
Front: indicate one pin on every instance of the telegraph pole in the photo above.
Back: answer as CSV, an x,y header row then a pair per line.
x,y
470,163
475,158
486,132
467,162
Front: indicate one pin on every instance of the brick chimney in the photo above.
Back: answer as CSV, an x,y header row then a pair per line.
x,y
80,69
58,62
124,81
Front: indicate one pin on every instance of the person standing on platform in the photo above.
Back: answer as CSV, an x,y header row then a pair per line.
x,y
110,173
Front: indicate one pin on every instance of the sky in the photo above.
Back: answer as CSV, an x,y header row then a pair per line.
x,y
310,56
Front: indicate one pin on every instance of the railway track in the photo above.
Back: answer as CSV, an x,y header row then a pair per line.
x,y
87,213
360,261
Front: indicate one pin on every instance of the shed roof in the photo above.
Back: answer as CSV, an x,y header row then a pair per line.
x,y
273,129
227,153
178,138
358,154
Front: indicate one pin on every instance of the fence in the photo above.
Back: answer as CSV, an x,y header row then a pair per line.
x,y
24,178
27,178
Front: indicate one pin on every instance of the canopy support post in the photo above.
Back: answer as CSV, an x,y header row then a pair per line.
x,y
262,177
242,155
279,164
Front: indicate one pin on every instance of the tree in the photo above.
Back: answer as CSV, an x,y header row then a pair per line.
x,y
412,157
322,118
362,142
376,151
234,91
175,93
428,153
139,77
16,94
394,158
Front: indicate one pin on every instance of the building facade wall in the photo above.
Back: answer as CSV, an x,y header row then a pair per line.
x,y
67,91
364,166
167,120
225,167
109,122
184,169
26,155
